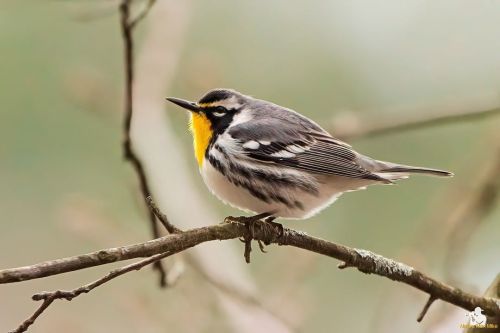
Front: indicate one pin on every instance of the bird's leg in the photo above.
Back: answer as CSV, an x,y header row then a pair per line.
x,y
249,222
247,219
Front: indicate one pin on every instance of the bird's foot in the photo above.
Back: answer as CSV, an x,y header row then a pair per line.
x,y
263,221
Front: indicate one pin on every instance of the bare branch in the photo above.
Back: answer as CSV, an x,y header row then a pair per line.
x,y
162,217
28,322
50,296
127,27
394,125
365,261
475,207
142,14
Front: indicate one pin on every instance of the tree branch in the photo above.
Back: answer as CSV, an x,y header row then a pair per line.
x,y
365,261
127,27
395,125
50,296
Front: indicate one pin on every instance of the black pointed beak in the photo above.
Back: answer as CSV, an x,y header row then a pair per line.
x,y
191,106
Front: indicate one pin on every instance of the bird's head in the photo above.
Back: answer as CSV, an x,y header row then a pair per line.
x,y
211,115
217,106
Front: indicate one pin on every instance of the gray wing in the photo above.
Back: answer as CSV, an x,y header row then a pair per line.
x,y
300,146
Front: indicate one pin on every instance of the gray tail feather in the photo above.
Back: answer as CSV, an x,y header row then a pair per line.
x,y
412,169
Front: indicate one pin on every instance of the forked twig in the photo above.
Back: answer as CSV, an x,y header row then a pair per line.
x,y
50,296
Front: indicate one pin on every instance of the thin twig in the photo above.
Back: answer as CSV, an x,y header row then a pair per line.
x,y
394,125
161,216
365,261
426,308
142,14
50,296
127,27
476,206
28,322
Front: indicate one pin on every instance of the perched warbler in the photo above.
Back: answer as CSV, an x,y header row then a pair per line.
x,y
265,158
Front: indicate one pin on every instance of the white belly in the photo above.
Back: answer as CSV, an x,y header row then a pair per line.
x,y
330,188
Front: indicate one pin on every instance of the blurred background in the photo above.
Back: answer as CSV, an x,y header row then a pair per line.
x,y
65,188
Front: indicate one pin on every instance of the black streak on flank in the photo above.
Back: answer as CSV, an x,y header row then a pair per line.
x,y
253,189
275,179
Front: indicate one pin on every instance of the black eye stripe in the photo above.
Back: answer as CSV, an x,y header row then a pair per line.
x,y
219,123
212,109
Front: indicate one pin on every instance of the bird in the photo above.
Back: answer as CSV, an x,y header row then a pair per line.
x,y
267,159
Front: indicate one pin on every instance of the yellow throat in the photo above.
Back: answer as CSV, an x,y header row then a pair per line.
x,y
202,133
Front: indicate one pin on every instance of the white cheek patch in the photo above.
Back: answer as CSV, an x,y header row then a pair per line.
x,y
251,144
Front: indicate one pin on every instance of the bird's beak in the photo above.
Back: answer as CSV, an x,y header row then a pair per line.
x,y
191,106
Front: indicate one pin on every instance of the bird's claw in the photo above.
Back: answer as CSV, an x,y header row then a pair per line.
x,y
261,246
265,220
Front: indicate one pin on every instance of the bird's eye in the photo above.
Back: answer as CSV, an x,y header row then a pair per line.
x,y
220,111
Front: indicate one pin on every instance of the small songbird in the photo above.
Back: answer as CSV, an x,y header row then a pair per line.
x,y
262,157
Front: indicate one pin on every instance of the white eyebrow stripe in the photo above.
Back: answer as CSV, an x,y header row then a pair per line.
x,y
228,103
252,144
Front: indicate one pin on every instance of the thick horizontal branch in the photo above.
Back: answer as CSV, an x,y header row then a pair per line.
x,y
363,260
172,243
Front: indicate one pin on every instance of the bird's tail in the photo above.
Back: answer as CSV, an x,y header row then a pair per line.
x,y
390,172
393,171
412,169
